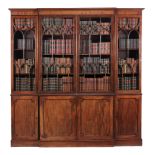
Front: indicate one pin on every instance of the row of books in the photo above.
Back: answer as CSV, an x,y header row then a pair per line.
x,y
127,60
24,84
88,22
49,21
128,43
58,61
24,66
57,26
57,65
94,23
128,23
93,27
95,84
95,65
128,66
63,84
133,43
58,46
97,24
57,70
95,48
27,44
127,83
24,23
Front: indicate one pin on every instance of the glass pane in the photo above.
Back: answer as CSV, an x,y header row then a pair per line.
x,y
95,54
24,54
128,54
57,54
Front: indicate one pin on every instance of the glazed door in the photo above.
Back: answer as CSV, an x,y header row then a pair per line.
x,y
57,61
57,118
24,54
127,111
24,117
95,54
129,54
95,117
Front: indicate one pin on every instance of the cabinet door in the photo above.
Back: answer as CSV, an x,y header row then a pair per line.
x,y
95,117
129,54
24,54
25,117
127,111
57,118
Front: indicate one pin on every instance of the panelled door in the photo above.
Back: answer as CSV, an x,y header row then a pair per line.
x,y
127,112
25,117
57,118
95,117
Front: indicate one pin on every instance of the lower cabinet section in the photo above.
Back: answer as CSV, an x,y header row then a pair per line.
x,y
128,118
24,118
72,118
57,118
76,120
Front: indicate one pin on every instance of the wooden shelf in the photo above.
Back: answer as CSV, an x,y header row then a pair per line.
x,y
87,35
58,35
128,74
130,49
55,75
26,50
95,55
24,29
26,74
58,55
93,74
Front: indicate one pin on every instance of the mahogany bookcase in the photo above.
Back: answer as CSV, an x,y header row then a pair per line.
x,y
76,76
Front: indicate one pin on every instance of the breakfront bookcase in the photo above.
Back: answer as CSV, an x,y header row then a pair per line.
x,y
76,77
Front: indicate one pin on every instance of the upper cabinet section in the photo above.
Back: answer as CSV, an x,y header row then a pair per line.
x,y
76,51
24,32
128,53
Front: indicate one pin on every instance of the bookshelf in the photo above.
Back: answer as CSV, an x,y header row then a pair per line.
x,y
128,54
24,54
95,54
76,77
57,54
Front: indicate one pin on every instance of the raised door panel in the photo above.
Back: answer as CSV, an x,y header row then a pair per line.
x,y
95,117
24,117
57,118
128,113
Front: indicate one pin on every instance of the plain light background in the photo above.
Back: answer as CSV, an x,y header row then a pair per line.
x,y
148,77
